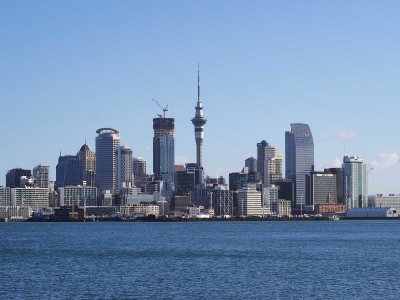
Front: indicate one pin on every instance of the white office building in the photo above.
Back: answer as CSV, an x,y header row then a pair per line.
x,y
249,201
78,195
271,199
391,200
33,197
15,212
5,195
284,207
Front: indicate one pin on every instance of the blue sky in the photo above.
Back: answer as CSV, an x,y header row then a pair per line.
x,y
68,68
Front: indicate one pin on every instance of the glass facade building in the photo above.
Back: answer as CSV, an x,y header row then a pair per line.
x,y
164,152
107,141
321,188
299,158
68,171
355,182
124,167
13,177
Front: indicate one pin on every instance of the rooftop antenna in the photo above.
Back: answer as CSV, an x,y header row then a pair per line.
x,y
198,82
164,109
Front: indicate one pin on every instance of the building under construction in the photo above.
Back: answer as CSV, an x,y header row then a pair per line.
x,y
164,152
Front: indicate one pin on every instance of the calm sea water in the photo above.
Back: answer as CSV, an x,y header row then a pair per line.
x,y
219,260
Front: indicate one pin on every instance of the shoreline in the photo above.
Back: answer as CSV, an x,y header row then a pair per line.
x,y
183,220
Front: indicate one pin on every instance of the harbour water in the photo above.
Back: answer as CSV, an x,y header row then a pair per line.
x,y
200,260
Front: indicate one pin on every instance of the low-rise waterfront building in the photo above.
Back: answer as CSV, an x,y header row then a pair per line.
x,y
5,196
380,200
78,195
329,208
383,212
222,201
284,207
140,209
15,212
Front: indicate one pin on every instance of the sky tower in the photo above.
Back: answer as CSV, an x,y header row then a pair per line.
x,y
199,121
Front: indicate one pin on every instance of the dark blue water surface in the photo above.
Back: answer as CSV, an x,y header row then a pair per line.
x,y
212,260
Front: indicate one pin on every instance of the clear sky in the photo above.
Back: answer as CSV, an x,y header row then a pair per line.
x,y
68,68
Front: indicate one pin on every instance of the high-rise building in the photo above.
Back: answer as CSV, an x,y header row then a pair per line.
x,y
87,160
338,172
264,152
107,141
321,188
237,180
124,167
185,182
355,182
139,167
272,169
285,190
68,171
41,175
270,199
251,164
13,177
164,152
199,121
299,158
139,171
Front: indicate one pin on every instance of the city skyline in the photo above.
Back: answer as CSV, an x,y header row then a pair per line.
x,y
77,78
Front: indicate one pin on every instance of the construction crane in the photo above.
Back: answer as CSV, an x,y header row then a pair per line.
x,y
164,109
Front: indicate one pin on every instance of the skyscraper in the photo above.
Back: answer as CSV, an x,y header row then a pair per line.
x,y
164,152
68,171
299,158
199,121
272,169
338,172
87,160
41,175
355,182
107,141
269,164
124,167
